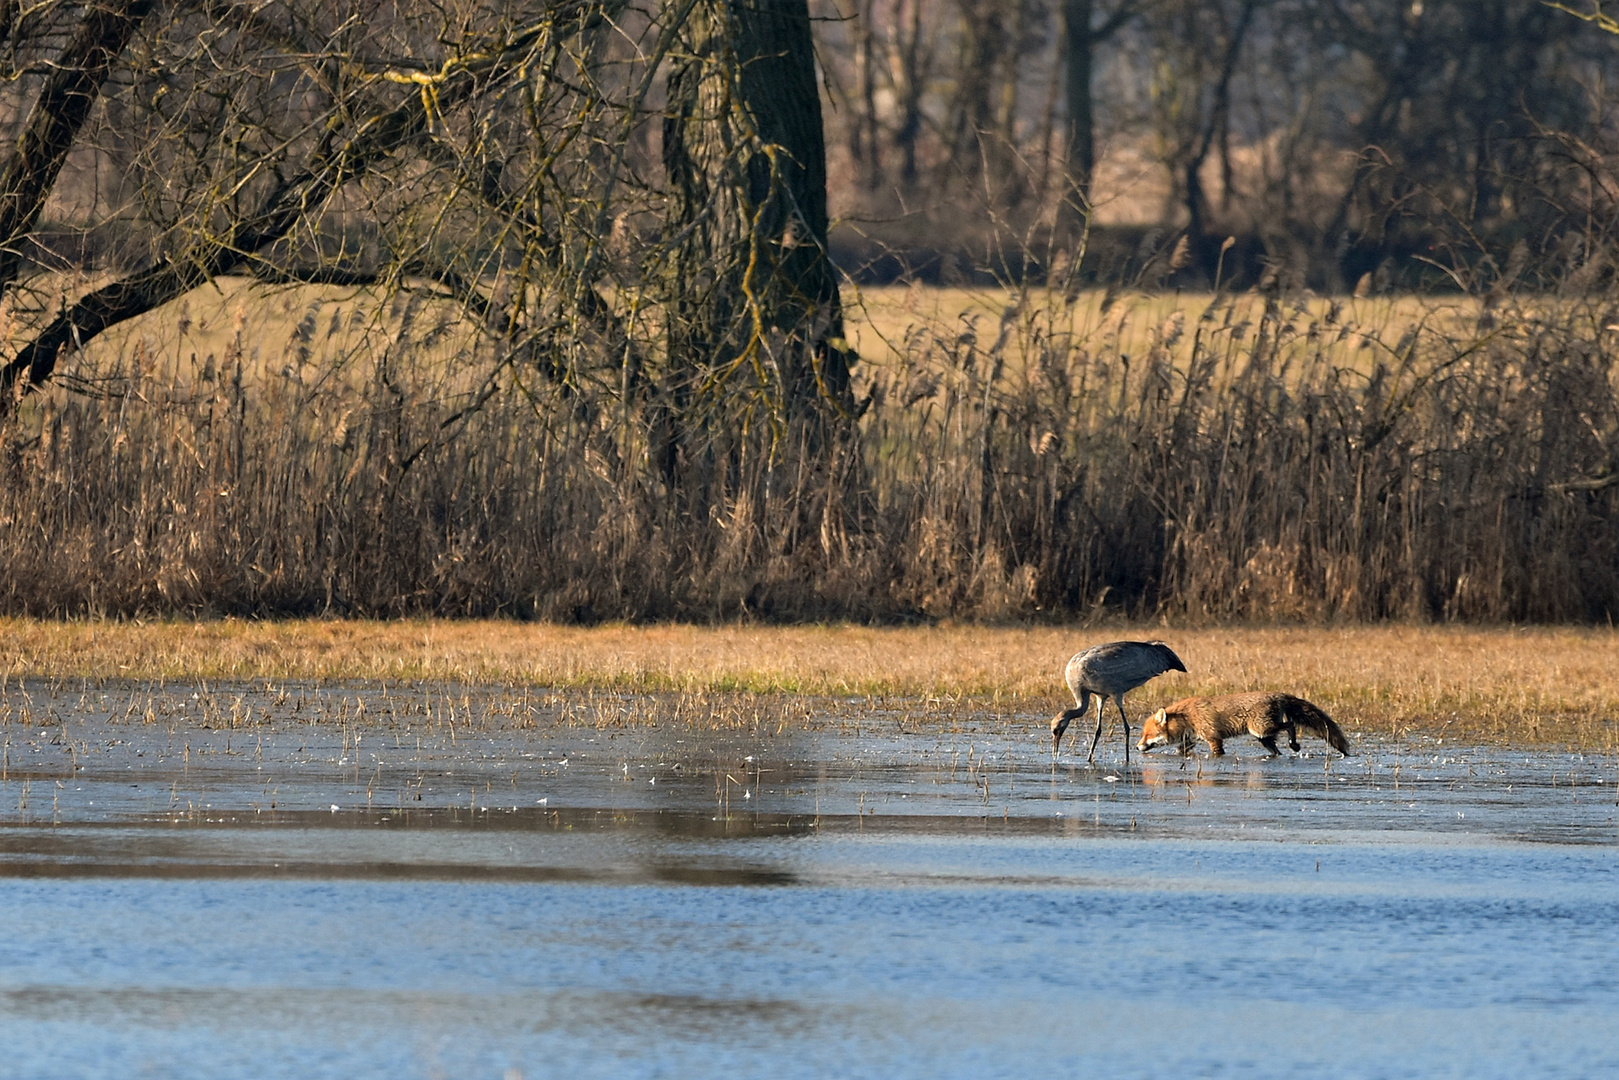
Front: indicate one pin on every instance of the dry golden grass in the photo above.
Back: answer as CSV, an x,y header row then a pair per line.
x,y
305,333
1535,686
323,327
1357,335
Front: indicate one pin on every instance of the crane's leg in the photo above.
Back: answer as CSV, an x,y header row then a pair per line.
x,y
1101,701
1118,699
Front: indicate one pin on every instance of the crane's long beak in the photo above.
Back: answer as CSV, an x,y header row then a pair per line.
x,y
1058,726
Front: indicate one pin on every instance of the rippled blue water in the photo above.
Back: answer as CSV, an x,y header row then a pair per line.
x,y
1262,919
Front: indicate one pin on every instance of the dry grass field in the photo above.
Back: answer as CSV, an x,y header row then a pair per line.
x,y
310,332
1529,686
1347,333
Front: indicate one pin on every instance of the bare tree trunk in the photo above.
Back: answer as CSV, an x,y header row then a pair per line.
x,y
1081,141
59,112
910,61
1081,35
983,39
1197,202
864,140
745,159
1003,153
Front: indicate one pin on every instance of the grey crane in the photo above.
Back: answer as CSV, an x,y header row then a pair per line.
x,y
1111,670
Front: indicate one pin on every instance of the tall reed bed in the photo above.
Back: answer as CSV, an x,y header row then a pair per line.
x,y
1254,457
1258,460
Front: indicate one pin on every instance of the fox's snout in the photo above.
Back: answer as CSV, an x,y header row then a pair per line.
x,y
1152,732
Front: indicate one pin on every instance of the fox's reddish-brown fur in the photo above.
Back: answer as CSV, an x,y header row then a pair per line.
x,y
1216,719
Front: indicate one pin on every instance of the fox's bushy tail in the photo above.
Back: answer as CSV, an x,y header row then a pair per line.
x,y
1312,719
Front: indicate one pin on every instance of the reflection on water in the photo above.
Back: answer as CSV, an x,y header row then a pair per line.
x,y
1158,770
404,898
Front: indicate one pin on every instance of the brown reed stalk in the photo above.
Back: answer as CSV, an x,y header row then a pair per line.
x,y
1246,466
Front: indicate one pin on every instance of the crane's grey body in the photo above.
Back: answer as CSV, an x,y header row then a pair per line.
x,y
1111,671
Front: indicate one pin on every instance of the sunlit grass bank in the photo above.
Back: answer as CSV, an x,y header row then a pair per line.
x,y
1537,686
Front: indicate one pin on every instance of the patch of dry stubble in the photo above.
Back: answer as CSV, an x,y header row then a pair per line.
x,y
1536,686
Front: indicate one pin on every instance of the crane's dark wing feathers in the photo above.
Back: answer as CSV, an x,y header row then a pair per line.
x,y
1119,666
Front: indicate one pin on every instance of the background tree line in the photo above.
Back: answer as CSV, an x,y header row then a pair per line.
x,y
540,309
1335,137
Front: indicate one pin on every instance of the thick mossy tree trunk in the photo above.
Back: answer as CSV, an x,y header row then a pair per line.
x,y
755,309
753,426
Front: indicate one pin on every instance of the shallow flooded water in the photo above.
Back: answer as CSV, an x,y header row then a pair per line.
x,y
414,888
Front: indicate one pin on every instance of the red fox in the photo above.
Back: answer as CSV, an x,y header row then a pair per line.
x,y
1216,719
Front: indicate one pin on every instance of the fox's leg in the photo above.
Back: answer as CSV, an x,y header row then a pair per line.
x,y
1292,735
1216,747
1266,731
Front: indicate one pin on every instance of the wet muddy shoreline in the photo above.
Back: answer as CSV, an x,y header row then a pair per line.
x,y
315,757
312,881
